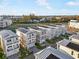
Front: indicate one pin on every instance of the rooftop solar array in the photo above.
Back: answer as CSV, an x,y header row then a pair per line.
x,y
23,30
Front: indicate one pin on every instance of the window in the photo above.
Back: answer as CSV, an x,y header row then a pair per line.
x,y
29,36
78,55
9,48
29,41
15,40
16,46
72,53
8,40
32,34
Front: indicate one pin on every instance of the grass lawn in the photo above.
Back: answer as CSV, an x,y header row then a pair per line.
x,y
49,41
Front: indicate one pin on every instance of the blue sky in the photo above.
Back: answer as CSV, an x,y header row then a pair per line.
x,y
39,7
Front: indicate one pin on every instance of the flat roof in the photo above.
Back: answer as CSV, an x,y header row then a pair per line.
x,y
73,46
69,44
37,28
44,26
75,36
64,42
53,25
7,33
24,30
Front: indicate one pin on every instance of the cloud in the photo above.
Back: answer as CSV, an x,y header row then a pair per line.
x,y
72,3
44,3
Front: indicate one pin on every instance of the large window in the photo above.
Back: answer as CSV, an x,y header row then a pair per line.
x,y
9,48
15,40
32,34
9,40
78,55
72,53
16,46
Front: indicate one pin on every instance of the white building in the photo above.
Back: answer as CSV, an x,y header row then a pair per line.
x,y
60,29
40,34
9,42
69,47
74,38
50,32
74,24
51,53
5,22
27,37
54,30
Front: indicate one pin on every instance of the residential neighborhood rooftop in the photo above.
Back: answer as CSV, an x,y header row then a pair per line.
x,y
37,28
69,44
44,26
52,52
24,30
75,36
64,42
7,33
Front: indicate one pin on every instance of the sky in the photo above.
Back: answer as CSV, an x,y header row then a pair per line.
x,y
39,7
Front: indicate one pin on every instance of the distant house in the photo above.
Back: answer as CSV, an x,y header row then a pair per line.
x,y
74,38
34,20
74,24
9,42
4,22
27,37
69,47
40,34
51,53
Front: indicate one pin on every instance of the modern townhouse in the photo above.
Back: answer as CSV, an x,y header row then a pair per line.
x,y
69,47
60,29
63,28
74,24
4,22
9,42
40,34
57,30
50,32
74,38
54,30
51,53
27,37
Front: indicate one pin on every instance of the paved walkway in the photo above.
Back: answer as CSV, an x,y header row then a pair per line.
x,y
13,57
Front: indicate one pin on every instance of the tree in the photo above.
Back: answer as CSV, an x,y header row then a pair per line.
x,y
2,56
23,52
